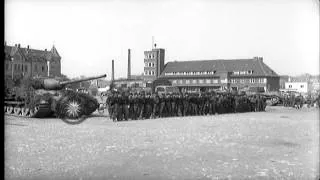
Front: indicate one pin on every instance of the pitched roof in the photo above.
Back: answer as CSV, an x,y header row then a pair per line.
x,y
35,54
221,65
54,51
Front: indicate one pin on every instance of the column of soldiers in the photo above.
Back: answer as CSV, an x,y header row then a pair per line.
x,y
125,106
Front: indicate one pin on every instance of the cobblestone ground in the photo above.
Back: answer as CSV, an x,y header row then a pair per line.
x,y
281,143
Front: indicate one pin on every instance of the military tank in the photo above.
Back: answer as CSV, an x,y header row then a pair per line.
x,y
47,97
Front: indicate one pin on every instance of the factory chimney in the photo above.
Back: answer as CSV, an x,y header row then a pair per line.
x,y
129,64
112,66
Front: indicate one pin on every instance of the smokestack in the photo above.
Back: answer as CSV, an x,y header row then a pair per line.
x,y
112,76
129,64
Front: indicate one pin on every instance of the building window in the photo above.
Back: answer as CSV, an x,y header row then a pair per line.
x,y
152,64
187,81
201,81
174,82
194,81
146,72
241,80
290,86
180,81
208,81
302,86
152,72
236,72
149,65
214,80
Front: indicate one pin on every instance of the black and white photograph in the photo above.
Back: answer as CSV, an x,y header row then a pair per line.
x,y
161,89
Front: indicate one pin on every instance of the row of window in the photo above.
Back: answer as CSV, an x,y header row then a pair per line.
x,y
190,73
251,80
242,72
24,68
301,86
18,67
149,56
195,81
148,72
210,81
149,64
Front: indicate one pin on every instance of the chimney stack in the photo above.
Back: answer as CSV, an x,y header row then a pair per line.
x,y
18,45
112,66
129,64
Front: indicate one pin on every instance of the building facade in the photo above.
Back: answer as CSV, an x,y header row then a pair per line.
x,y
300,87
154,64
221,74
26,62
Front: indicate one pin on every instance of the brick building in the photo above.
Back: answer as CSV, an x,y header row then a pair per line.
x,y
26,62
221,74
154,64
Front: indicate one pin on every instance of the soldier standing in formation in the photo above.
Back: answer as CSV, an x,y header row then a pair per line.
x,y
124,106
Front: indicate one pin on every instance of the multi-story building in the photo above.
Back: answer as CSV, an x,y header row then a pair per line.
x,y
221,74
26,62
154,64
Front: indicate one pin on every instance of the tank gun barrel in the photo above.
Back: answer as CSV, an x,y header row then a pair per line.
x,y
53,84
81,80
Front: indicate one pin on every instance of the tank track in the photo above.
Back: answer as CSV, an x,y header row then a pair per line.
x,y
17,109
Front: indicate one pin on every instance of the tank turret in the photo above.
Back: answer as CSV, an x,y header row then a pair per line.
x,y
53,84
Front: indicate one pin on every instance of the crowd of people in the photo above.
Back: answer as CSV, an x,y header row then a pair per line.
x,y
125,106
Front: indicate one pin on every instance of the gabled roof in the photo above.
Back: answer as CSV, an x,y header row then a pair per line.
x,y
34,54
54,51
221,65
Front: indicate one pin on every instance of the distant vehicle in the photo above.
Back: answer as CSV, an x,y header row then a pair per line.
x,y
166,89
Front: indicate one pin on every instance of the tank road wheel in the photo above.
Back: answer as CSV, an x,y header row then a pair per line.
x,y
33,111
9,110
25,111
73,113
16,110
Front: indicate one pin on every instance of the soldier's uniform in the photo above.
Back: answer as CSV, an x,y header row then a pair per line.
x,y
173,105
168,105
140,101
156,105
179,101
110,103
185,102
212,102
162,102
125,106
131,106
148,107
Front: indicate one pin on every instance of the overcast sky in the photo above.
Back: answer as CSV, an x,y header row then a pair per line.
x,y
89,34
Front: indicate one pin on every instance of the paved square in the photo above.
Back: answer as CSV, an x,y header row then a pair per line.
x,y
281,143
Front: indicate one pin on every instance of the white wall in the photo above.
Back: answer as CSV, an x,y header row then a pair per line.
x,y
301,87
